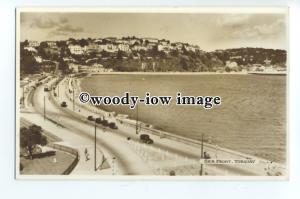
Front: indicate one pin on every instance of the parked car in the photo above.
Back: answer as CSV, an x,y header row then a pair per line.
x,y
105,122
113,125
149,141
146,139
63,104
90,118
98,120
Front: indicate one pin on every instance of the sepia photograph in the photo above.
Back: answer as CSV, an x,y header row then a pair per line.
x,y
164,93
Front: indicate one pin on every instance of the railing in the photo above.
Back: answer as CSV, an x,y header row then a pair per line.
x,y
67,150
53,138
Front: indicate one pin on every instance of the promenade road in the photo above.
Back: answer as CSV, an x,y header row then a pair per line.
x,y
80,135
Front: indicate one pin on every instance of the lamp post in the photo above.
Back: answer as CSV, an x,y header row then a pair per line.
x,y
95,142
201,167
58,90
44,107
23,97
137,120
73,99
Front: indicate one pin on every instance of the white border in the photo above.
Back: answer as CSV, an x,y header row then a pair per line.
x,y
11,188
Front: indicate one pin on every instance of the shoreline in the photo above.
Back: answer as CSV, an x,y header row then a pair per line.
x,y
148,128
167,73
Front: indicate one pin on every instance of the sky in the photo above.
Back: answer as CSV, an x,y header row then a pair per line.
x,y
210,31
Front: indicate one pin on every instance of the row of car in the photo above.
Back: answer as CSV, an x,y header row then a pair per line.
x,y
104,122
143,137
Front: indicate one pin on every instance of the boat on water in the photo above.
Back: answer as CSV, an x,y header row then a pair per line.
x,y
267,72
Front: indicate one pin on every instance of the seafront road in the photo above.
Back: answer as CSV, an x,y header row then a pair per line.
x,y
80,135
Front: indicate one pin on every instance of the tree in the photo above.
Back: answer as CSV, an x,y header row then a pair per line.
x,y
30,137
184,50
63,66
184,63
83,42
61,44
26,43
72,41
227,69
120,55
154,51
174,53
28,63
44,44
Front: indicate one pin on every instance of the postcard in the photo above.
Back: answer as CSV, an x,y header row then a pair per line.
x,y
152,93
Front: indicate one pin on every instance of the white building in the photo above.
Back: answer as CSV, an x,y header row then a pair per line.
x,y
133,41
166,48
110,48
121,41
92,47
33,43
38,59
98,41
51,44
31,49
191,48
164,42
231,64
150,40
236,57
77,49
95,68
150,46
69,59
138,48
124,47
267,62
178,45
74,67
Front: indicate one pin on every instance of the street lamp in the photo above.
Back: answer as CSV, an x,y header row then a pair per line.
x,y
23,97
95,142
45,90
201,168
73,99
44,107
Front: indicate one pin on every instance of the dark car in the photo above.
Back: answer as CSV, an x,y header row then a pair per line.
x,y
146,139
90,118
149,141
105,122
63,104
46,89
113,125
98,120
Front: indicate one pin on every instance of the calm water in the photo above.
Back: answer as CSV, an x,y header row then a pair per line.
x,y
251,119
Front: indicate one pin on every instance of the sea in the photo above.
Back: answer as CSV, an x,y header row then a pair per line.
x,y
251,118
